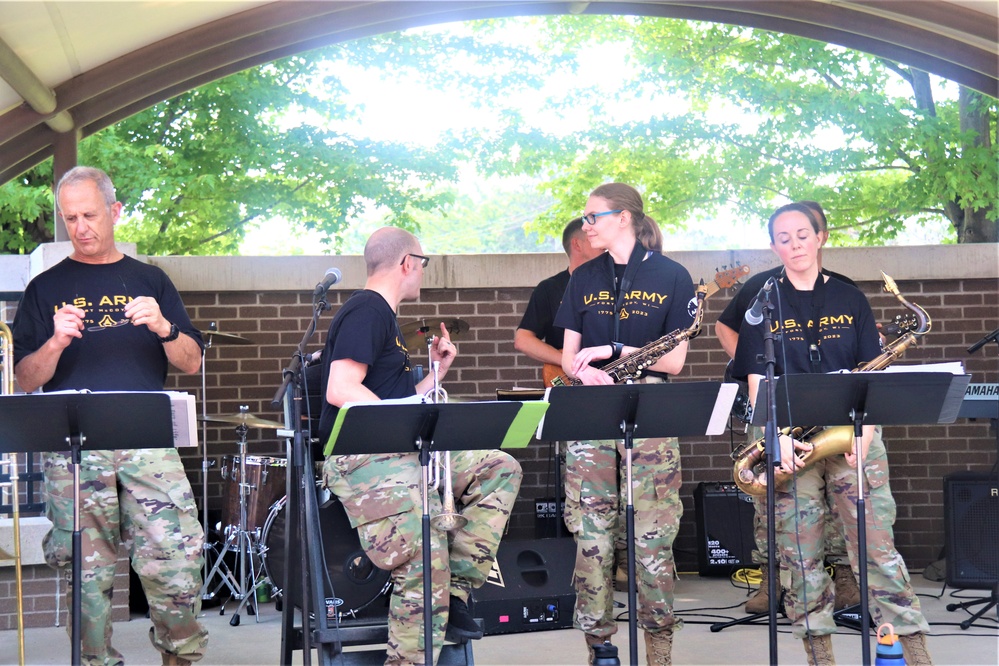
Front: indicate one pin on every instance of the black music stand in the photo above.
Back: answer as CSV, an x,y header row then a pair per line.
x,y
52,422
857,398
624,411
425,428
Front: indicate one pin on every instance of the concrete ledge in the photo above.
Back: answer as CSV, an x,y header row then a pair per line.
x,y
300,273
33,530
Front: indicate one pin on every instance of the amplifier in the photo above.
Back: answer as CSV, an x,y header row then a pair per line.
x,y
971,528
724,528
529,587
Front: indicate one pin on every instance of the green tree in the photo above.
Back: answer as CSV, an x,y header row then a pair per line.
x,y
747,119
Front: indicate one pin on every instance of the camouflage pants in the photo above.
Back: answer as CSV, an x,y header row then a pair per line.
x,y
594,513
140,498
381,495
832,530
809,600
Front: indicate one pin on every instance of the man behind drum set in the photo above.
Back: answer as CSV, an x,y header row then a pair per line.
x,y
365,358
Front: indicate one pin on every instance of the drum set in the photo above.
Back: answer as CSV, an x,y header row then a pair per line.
x,y
253,511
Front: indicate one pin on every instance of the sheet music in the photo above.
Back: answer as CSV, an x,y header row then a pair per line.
x,y
183,414
722,409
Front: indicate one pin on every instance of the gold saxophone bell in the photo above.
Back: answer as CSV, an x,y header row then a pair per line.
x,y
448,520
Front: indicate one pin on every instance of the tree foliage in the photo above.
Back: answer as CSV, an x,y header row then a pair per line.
x,y
741,119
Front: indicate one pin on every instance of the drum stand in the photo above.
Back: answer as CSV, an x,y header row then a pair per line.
x,y
210,554
243,587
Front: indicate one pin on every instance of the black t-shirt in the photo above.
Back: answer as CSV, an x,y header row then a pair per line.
x,y
112,355
365,330
735,311
660,300
539,318
846,335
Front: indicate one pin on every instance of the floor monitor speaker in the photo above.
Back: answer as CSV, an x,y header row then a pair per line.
x,y
529,587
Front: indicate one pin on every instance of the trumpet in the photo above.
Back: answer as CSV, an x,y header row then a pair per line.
x,y
448,520
10,460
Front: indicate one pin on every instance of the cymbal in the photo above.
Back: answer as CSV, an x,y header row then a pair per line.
x,y
247,419
415,332
213,337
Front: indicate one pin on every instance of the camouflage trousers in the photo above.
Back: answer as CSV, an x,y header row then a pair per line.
x,y
381,495
595,514
800,520
835,545
140,498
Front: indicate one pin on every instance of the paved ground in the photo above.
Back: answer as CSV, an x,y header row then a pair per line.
x,y
700,601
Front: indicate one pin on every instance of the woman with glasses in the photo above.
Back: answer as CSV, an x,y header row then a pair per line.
x,y
615,304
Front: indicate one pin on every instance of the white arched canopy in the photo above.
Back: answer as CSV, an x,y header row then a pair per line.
x,y
69,69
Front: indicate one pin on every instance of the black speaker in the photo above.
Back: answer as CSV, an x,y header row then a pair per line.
x,y
529,587
724,528
971,525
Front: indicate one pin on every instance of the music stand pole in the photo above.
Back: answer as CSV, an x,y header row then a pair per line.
x,y
865,611
628,430
772,443
76,441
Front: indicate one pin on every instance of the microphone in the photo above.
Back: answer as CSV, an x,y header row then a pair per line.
x,y
754,315
332,276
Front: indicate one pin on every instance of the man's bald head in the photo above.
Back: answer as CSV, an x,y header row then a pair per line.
x,y
387,247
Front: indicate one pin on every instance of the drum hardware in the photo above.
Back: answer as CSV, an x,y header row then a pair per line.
x,y
211,336
419,332
242,540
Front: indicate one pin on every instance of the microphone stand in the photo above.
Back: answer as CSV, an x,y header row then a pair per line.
x,y
773,460
296,492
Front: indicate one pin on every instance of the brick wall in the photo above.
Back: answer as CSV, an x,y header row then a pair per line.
x,y
962,310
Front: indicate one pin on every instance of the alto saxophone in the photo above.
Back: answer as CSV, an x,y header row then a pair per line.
x,y
632,366
749,470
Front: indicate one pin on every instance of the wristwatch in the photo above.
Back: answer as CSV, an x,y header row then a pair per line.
x,y
172,335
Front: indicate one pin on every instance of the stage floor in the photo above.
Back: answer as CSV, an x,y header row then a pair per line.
x,y
699,601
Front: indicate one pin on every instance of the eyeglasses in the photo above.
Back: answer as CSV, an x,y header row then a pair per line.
x,y
592,217
423,260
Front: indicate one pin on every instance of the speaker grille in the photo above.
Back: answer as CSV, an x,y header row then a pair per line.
x,y
971,509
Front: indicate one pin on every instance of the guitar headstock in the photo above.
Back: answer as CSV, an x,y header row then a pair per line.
x,y
725,279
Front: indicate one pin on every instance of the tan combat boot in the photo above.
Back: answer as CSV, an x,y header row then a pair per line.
x,y
760,601
659,648
819,650
914,649
847,592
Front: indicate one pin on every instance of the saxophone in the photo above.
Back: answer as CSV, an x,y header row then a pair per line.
x,y
632,366
750,459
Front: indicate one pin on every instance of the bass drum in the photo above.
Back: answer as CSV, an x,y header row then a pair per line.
x,y
360,589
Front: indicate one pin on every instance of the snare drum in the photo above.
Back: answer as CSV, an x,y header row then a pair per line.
x,y
265,477
360,589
